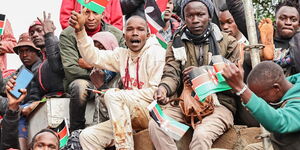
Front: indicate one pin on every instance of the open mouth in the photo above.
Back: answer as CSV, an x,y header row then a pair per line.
x,y
135,42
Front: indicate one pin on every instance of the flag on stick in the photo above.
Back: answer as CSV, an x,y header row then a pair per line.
x,y
170,126
63,133
155,22
207,80
2,23
97,6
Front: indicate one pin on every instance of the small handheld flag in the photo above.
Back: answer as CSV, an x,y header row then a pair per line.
x,y
2,23
63,133
170,126
97,6
207,80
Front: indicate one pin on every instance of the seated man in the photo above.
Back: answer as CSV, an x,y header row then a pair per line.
x,y
192,47
76,70
49,78
140,66
44,139
272,99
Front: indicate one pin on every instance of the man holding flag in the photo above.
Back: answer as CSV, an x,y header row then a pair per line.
x,y
193,46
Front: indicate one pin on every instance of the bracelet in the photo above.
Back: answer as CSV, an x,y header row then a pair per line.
x,y
241,91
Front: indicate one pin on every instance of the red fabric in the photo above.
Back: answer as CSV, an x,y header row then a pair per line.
x,y
91,33
162,5
8,42
112,14
7,73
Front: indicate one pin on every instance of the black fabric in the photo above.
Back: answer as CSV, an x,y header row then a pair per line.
x,y
206,36
295,51
49,75
9,132
133,7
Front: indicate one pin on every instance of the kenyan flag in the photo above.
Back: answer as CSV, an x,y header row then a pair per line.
x,y
170,126
63,133
97,6
2,23
155,22
206,81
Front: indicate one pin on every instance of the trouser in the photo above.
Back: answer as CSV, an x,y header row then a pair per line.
x,y
127,111
78,101
204,135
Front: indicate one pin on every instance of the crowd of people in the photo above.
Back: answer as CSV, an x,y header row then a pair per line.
x,y
120,55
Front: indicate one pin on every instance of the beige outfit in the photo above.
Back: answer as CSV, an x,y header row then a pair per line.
x,y
211,127
126,108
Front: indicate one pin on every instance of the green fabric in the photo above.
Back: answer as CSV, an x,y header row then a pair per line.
x,y
70,53
281,120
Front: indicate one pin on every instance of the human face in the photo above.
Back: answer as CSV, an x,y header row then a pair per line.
x,y
271,94
136,33
287,22
228,24
168,11
99,45
45,141
36,34
196,17
92,20
27,55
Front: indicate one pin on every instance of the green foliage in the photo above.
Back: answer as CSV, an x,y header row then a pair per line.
x,y
264,9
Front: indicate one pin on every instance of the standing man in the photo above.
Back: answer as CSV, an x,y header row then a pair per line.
x,y
192,47
77,71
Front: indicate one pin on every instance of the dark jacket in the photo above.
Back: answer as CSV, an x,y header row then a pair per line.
x,y
133,7
172,78
9,132
70,53
49,76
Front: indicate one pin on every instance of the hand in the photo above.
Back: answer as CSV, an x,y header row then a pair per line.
x,y
47,23
77,20
97,78
161,95
186,76
83,64
13,103
28,109
2,50
234,76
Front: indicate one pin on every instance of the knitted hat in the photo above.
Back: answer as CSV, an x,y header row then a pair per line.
x,y
207,3
107,39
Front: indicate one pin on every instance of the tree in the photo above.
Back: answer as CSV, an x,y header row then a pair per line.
x,y
265,8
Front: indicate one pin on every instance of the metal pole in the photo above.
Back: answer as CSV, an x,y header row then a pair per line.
x,y
255,58
251,29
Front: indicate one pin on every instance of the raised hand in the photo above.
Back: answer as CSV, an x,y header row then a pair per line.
x,y
47,23
77,20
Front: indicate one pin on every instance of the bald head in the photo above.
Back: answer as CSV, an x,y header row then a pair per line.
x,y
134,18
265,74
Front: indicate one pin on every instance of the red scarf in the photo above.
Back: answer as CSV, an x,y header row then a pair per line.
x,y
127,75
91,33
